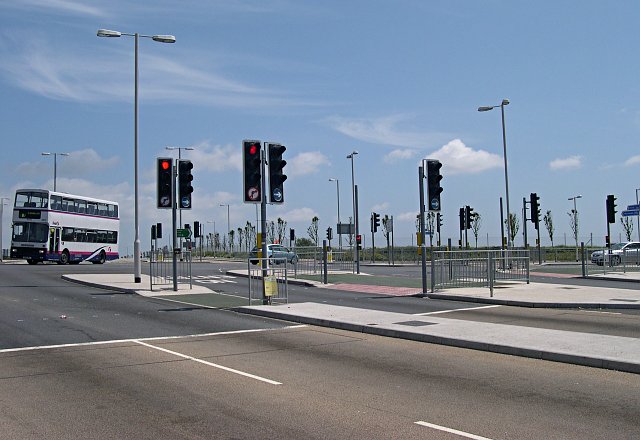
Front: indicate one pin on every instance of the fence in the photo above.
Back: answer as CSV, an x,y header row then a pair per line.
x,y
310,260
161,268
479,268
270,285
603,261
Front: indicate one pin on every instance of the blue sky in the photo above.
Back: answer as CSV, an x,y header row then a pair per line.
x,y
398,81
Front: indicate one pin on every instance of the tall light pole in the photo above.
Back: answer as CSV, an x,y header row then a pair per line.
x,y
338,197
575,221
638,217
355,210
137,275
506,174
2,199
55,166
228,223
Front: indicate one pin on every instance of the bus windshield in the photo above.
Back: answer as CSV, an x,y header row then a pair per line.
x,y
32,199
30,232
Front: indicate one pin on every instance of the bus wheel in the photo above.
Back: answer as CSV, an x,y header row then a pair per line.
x,y
33,262
64,258
101,259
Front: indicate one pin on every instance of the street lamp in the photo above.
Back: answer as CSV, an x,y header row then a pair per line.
x,y
55,166
575,221
228,224
506,175
338,197
137,276
355,210
2,199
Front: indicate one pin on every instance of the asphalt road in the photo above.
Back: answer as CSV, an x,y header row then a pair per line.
x,y
248,377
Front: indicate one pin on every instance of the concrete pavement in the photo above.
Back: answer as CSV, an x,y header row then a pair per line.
x,y
602,351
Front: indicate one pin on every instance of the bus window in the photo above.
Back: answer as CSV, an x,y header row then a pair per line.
x,y
81,206
102,209
56,203
67,234
112,211
92,208
31,199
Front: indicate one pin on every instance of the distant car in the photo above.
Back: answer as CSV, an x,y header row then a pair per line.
x,y
276,253
627,252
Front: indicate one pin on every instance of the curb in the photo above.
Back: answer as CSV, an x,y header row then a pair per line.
x,y
531,304
99,285
586,361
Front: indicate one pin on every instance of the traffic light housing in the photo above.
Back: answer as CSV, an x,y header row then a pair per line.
x,y
375,222
438,222
158,230
252,171
468,215
535,209
153,232
433,184
184,184
196,229
276,174
329,233
462,222
611,208
165,183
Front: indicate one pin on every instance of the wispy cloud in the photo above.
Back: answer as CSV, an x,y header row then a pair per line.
x,y
85,162
569,163
215,157
398,155
457,158
59,6
307,163
634,160
385,131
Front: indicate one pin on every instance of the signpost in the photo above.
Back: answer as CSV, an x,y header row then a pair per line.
x,y
183,233
631,211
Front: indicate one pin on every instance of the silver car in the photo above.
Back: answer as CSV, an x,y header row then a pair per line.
x,y
276,253
619,252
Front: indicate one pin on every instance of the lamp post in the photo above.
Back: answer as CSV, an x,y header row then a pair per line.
x,y
638,217
575,221
355,209
506,174
228,223
55,166
137,276
2,199
338,197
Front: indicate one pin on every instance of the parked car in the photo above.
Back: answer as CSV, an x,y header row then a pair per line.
x,y
276,253
619,252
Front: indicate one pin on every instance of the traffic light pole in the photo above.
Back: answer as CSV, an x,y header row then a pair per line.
x,y
422,241
263,225
373,240
174,232
524,216
357,230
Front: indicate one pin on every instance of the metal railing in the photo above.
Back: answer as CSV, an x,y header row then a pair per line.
x,y
610,262
161,268
310,260
270,285
478,268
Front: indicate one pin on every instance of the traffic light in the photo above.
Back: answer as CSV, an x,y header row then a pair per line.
x,y
438,222
158,230
375,222
462,222
468,215
196,229
607,240
153,232
276,175
433,184
359,241
611,208
329,233
252,169
184,184
535,209
165,183
292,235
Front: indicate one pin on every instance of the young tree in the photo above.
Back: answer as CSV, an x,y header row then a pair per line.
x,y
627,224
573,220
271,231
216,241
512,226
313,230
232,235
548,222
386,228
249,236
240,237
476,224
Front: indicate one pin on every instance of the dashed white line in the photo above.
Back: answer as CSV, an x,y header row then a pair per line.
x,y
457,310
452,431
211,364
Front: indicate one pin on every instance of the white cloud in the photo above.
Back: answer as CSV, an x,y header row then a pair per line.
x,y
306,163
457,158
384,131
634,160
60,6
215,157
78,163
299,215
568,163
380,207
397,155
407,216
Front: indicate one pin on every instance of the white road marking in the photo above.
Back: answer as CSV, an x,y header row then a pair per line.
x,y
156,338
452,431
211,364
600,311
457,310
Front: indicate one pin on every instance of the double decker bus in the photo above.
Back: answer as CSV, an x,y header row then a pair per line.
x,y
65,228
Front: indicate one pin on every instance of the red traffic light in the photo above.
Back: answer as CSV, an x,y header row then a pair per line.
x,y
358,238
253,149
165,164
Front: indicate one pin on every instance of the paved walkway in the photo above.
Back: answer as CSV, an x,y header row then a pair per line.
x,y
603,351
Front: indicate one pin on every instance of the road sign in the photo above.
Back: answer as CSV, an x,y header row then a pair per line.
x,y
183,233
631,213
633,207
